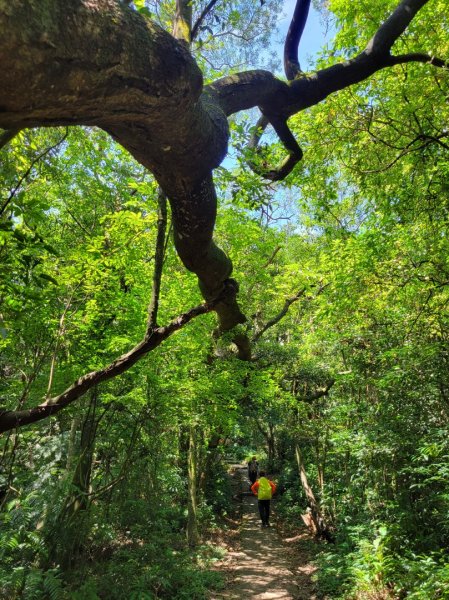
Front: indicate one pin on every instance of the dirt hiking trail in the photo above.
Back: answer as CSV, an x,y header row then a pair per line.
x,y
265,565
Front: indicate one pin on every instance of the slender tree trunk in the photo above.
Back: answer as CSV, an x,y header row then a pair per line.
x,y
270,441
314,517
81,478
72,447
208,461
67,539
321,461
271,446
192,472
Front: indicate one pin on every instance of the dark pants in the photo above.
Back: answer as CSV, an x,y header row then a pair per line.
x,y
264,511
252,476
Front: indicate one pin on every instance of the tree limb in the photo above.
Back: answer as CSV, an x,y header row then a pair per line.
x,y
10,419
288,140
203,15
260,88
281,314
419,57
393,27
294,34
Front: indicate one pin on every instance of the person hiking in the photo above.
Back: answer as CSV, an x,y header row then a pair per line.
x,y
253,469
264,489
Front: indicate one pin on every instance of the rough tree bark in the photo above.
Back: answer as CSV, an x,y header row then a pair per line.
x,y
99,63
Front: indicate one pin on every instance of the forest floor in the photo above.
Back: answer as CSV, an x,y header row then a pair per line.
x,y
265,564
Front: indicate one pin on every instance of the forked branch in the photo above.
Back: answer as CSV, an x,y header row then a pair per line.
x,y
260,88
281,314
284,310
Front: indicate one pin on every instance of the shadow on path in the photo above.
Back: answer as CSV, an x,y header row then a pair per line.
x,y
264,567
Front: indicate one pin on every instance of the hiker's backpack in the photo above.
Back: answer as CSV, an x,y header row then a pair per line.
x,y
264,492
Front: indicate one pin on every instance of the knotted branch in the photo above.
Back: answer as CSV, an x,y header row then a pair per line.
x,y
289,142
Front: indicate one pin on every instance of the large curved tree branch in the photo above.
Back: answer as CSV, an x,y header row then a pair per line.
x,y
97,62
142,86
260,88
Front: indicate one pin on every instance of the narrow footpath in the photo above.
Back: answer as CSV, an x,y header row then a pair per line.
x,y
265,566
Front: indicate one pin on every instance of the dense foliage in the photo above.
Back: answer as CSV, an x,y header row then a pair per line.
x,y
344,273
